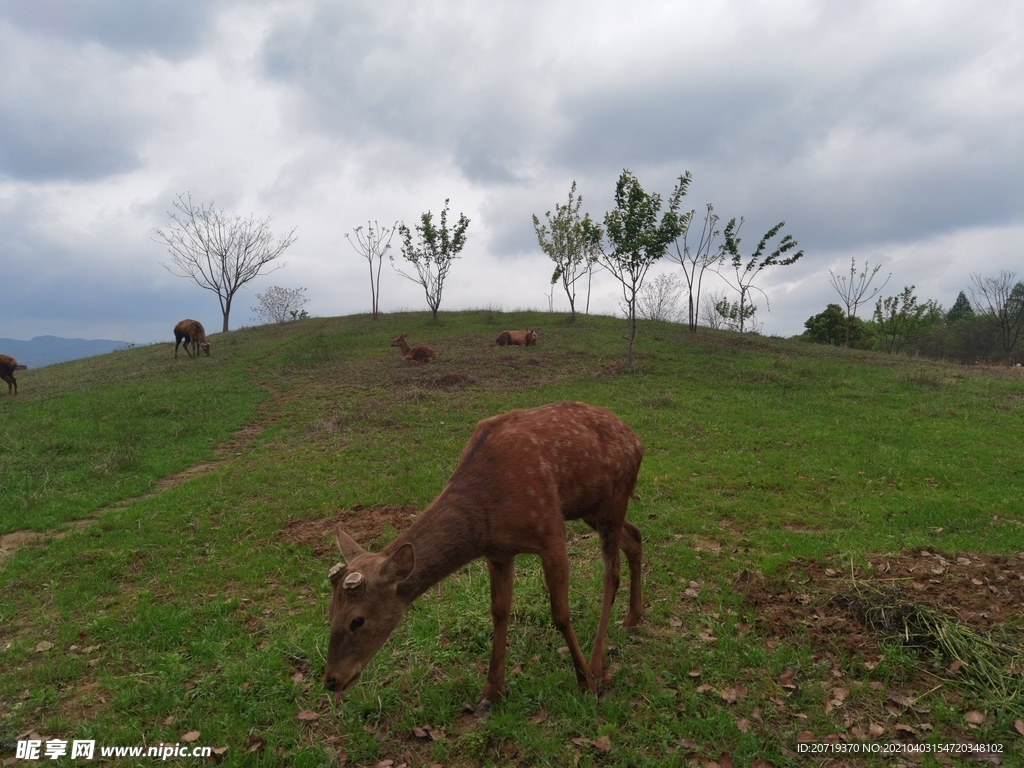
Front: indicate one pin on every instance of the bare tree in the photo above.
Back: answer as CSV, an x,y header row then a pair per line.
x,y
277,304
659,298
639,235
696,262
1001,301
745,274
220,252
372,245
438,248
710,310
854,291
572,243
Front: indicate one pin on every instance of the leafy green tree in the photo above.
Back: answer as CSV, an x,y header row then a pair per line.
x,y
746,273
572,243
733,317
828,327
638,235
961,309
432,258
901,320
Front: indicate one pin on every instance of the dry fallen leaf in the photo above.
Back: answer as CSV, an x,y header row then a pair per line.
x,y
307,714
298,677
786,679
759,763
974,717
539,717
603,743
875,730
804,737
1019,725
189,737
45,645
732,693
675,622
743,725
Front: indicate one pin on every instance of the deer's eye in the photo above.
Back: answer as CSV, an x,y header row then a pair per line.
x,y
357,622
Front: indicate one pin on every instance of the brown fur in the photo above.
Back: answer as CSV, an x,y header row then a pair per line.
x,y
527,338
422,354
191,332
8,366
522,475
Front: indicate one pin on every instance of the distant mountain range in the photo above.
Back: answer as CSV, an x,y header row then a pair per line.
x,y
47,350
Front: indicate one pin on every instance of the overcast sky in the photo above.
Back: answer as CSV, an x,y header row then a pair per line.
x,y
890,132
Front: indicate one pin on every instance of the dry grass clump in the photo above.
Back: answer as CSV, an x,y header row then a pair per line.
x,y
989,663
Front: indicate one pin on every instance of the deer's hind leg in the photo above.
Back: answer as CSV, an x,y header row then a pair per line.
x,y
608,524
631,543
502,573
555,562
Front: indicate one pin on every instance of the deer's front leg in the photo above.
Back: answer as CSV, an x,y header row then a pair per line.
x,y
502,571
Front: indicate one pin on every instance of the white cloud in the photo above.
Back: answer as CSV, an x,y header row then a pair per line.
x,y
876,130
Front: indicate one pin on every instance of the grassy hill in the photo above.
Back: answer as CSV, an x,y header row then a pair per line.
x,y
172,518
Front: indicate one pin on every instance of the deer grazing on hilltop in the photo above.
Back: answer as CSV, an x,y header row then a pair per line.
x,y
191,332
527,338
416,354
8,365
521,476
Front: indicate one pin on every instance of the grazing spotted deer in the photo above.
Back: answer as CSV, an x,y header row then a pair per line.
x,y
522,475
527,338
191,332
422,354
8,365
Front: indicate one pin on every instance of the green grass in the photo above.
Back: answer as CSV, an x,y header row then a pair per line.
x,y
202,616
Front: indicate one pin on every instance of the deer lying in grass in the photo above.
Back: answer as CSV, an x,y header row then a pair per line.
x,y
8,365
416,354
520,477
191,332
526,338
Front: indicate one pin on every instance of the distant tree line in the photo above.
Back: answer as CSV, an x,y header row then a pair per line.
x,y
984,324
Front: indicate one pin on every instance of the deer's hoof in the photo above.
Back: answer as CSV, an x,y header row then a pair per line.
x,y
483,709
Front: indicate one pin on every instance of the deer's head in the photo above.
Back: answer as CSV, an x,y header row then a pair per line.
x,y
365,608
399,341
205,346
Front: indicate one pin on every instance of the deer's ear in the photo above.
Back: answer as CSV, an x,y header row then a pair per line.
x,y
400,564
349,549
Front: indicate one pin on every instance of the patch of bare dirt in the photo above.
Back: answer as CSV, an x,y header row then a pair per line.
x,y
15,540
367,525
979,590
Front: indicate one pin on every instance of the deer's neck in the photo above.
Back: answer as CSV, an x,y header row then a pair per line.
x,y
404,346
444,539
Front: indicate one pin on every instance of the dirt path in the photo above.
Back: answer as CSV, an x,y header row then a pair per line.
x,y
268,413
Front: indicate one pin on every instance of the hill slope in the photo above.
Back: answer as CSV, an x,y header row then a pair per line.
x,y
761,456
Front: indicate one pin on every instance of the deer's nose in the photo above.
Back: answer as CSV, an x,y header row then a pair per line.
x,y
330,683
